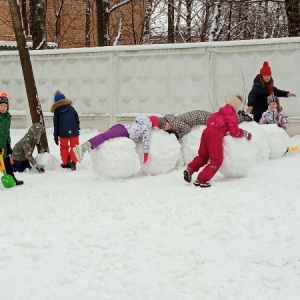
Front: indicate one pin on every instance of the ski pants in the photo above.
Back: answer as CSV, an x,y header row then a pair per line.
x,y
210,154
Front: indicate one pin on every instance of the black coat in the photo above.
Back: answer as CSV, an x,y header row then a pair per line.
x,y
258,97
65,119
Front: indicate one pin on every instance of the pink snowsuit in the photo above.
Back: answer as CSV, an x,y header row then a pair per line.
x,y
211,144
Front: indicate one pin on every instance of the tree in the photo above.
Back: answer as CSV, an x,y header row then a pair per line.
x,y
32,95
171,25
38,24
102,7
293,16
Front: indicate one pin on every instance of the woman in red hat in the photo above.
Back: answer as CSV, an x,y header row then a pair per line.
x,y
263,86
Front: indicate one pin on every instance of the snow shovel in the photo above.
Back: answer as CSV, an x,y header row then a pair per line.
x,y
7,180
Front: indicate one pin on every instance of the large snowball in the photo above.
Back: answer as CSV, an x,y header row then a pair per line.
x,y
259,141
190,143
239,157
47,160
116,158
278,140
164,153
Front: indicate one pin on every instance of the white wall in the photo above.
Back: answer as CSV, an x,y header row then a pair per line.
x,y
111,81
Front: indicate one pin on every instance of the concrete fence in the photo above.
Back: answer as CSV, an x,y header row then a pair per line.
x,y
113,84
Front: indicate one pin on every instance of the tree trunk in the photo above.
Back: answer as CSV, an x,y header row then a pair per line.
x,y
88,5
293,16
147,18
189,5
32,95
38,24
171,27
102,7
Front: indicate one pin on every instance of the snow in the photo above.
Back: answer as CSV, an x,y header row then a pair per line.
x,y
77,235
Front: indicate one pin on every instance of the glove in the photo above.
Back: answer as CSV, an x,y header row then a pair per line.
x,y
247,135
281,126
39,168
146,156
8,148
56,140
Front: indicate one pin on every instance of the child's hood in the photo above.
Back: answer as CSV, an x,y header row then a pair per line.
x,y
60,103
35,131
143,120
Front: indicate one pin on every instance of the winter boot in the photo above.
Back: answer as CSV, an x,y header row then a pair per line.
x,y
79,150
72,165
187,175
65,166
202,183
18,182
245,116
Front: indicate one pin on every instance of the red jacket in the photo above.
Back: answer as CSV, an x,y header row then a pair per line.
x,y
226,121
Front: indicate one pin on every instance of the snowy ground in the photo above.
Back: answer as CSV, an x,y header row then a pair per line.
x,y
68,235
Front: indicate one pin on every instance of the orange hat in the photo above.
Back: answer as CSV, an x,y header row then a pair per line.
x,y
265,70
4,94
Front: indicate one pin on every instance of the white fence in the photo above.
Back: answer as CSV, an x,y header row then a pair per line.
x,y
109,84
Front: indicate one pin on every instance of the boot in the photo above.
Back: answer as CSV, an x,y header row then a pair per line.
x,y
79,150
18,182
72,165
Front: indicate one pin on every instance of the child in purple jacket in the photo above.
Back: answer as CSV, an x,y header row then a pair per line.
x,y
138,131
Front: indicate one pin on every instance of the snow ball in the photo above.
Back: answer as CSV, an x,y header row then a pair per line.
x,y
239,157
259,141
47,160
164,153
116,158
190,143
278,140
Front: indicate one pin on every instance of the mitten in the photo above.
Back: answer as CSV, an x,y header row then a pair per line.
x,y
56,140
146,156
39,168
281,126
8,148
247,135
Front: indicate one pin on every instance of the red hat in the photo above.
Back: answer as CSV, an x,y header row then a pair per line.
x,y
154,121
265,70
4,94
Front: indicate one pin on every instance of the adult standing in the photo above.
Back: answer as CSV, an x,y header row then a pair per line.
x,y
263,86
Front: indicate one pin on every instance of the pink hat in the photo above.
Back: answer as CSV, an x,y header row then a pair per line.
x,y
154,121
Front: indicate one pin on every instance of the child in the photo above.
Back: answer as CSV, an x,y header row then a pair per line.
x,y
22,151
5,141
138,131
211,145
274,114
182,124
66,128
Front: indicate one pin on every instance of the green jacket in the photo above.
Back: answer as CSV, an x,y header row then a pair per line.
x,y
5,120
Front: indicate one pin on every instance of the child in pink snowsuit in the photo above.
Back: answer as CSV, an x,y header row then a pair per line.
x,y
219,124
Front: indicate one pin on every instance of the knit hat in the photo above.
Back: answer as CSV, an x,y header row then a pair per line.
x,y
265,70
157,122
236,102
273,99
4,98
59,96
